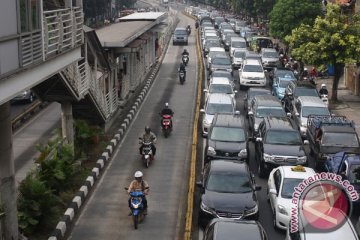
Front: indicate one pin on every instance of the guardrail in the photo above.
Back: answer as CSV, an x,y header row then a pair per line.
x,y
25,116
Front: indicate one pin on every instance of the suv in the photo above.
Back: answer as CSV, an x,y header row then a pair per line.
x,y
277,143
220,63
224,229
269,58
296,89
216,103
180,36
237,43
263,106
305,106
252,74
221,85
227,138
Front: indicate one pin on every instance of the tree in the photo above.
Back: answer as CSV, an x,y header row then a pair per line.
x,y
334,38
289,14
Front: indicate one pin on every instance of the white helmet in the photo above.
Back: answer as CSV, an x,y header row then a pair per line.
x,y
323,85
138,174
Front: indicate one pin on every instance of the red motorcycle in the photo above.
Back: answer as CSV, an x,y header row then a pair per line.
x,y
166,124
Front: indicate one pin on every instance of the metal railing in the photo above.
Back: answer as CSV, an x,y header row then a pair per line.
x,y
62,30
31,48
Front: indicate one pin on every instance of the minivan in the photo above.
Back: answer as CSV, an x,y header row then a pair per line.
x,y
237,43
180,36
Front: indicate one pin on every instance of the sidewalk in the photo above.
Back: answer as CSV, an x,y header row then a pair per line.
x,y
348,105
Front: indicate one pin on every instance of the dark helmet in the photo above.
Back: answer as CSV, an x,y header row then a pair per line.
x,y
147,129
185,50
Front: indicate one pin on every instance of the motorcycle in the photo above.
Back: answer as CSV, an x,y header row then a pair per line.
x,y
147,153
136,207
188,30
185,59
182,75
166,124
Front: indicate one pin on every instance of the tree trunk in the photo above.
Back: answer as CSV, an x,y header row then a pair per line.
x,y
338,71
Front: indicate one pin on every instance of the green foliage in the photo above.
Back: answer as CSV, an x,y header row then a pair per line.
x,y
85,137
289,14
334,38
36,205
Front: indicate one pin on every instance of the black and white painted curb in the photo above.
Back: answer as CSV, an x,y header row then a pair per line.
x,y
77,202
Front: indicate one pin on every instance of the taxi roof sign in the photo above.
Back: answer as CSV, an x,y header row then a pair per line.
x,y
298,168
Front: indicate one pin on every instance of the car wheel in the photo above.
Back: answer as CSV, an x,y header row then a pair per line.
x,y
267,195
274,220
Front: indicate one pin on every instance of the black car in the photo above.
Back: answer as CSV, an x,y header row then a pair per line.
x,y
280,72
226,229
278,142
227,138
296,89
251,93
229,191
263,106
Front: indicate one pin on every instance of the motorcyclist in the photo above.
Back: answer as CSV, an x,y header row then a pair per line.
x,y
139,185
188,28
185,52
323,90
149,136
182,67
167,111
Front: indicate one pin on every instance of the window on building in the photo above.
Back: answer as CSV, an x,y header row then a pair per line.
x,y
30,15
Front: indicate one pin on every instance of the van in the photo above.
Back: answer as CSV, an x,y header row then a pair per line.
x,y
180,36
237,43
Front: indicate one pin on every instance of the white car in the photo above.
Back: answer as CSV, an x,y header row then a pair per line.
x,y
216,103
237,58
221,85
252,74
214,51
281,183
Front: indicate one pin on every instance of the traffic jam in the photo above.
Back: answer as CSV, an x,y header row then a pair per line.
x,y
264,120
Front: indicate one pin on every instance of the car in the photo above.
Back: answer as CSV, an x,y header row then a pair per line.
x,y
213,52
222,73
216,103
237,43
253,55
278,87
277,143
218,21
227,138
252,74
237,58
221,85
210,36
259,42
225,229
211,43
305,106
251,93
296,89
239,25
280,72
180,36
280,188
228,191
220,63
269,58
263,106
24,96
227,41
224,32
306,232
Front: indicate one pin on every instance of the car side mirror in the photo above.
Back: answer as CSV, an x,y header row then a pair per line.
x,y
202,110
306,142
237,112
258,139
206,90
297,114
257,188
235,91
199,184
288,114
250,113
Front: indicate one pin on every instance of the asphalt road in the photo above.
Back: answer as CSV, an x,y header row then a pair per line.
x,y
105,214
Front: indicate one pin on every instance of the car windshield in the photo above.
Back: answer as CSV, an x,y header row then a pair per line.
x,y
211,37
283,83
214,54
262,112
219,108
227,134
221,74
354,174
228,183
221,88
270,55
340,139
306,111
213,43
285,74
288,187
221,61
180,32
299,91
252,68
252,94
239,54
281,137
238,44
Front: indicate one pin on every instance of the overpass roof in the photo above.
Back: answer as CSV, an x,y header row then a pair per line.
x,y
129,28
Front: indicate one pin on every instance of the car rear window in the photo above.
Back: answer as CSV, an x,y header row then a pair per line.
x,y
180,32
252,68
228,134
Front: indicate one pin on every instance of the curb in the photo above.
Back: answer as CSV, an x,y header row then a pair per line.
x,y
65,224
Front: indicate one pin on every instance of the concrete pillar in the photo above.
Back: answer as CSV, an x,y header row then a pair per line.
x,y
8,193
67,122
